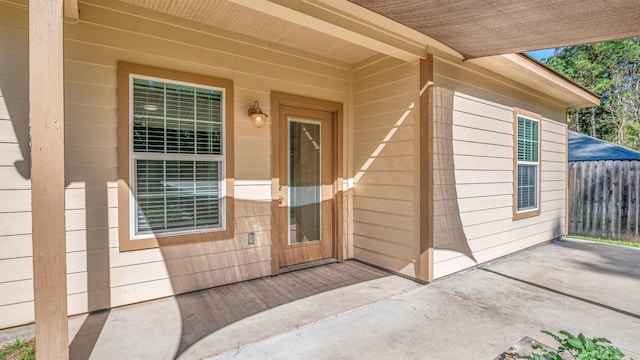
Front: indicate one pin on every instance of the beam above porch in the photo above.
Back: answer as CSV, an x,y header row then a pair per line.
x,y
325,19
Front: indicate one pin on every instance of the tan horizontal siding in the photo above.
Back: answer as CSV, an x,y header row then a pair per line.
x,y
455,261
398,178
488,110
475,121
484,202
467,162
392,147
15,201
481,165
464,177
482,189
13,132
12,269
474,148
16,292
386,220
392,105
219,277
461,133
511,228
397,86
487,216
399,162
19,313
376,74
15,246
94,116
386,164
13,62
99,274
14,109
16,223
389,206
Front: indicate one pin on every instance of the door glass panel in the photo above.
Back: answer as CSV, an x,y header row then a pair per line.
x,y
305,182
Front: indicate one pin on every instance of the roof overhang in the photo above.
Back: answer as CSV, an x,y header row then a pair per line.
x,y
533,74
356,28
353,23
478,28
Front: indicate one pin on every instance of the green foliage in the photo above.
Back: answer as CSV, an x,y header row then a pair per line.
x,y
577,347
606,240
19,350
612,70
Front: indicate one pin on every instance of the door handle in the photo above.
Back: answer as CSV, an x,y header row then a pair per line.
x,y
280,200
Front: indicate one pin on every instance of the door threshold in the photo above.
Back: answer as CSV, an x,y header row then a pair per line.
x,y
306,265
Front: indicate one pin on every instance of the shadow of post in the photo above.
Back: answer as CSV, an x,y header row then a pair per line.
x,y
85,340
98,269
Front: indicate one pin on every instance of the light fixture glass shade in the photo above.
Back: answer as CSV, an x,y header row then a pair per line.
x,y
258,118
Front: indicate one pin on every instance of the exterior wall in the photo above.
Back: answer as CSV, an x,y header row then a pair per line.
x,y
473,168
99,275
386,164
16,267
472,159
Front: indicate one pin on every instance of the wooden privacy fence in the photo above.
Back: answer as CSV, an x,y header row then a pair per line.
x,y
604,199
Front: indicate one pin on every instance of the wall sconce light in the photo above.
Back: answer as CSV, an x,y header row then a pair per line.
x,y
258,118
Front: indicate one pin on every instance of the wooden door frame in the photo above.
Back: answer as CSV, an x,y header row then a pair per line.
x,y
278,99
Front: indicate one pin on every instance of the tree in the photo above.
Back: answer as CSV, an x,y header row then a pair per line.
x,y
611,69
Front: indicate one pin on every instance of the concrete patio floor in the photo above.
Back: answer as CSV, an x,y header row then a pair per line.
x,y
476,314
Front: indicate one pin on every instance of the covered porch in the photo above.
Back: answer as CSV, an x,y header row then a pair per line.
x,y
491,308
375,73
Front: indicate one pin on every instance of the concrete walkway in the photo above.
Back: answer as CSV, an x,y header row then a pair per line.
x,y
477,314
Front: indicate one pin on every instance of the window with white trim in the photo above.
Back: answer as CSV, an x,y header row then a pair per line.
x,y
527,174
177,156
174,157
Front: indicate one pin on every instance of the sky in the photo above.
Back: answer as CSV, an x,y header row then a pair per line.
x,y
539,54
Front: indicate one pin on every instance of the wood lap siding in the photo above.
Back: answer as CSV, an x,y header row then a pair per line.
x,y
482,165
99,275
386,172
16,266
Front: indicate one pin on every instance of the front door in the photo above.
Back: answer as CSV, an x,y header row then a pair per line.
x,y
306,185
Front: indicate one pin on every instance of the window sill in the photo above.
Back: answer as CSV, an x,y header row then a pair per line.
x,y
525,215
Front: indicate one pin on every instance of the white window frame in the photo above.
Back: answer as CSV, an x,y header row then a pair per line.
x,y
133,156
127,209
535,211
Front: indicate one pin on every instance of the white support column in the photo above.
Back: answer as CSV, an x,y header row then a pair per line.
x,y
46,120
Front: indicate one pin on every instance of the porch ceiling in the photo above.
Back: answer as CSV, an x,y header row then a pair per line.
x,y
478,28
259,24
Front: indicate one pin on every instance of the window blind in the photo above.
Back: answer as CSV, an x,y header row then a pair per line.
x,y
177,156
528,164
527,140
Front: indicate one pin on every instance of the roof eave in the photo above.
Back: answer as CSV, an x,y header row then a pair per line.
x,y
533,74
352,23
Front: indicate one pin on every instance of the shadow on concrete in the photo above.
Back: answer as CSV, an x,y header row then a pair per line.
x,y
614,260
579,298
206,311
85,340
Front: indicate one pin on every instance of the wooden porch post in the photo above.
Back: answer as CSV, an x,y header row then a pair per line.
x,y
425,256
46,120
